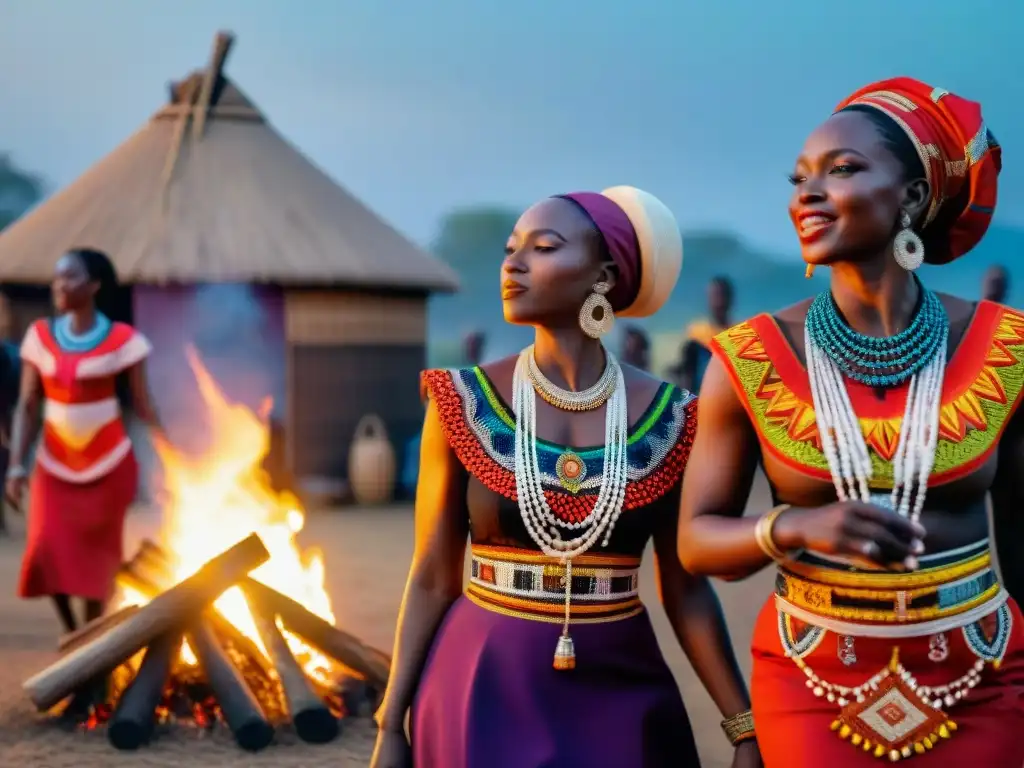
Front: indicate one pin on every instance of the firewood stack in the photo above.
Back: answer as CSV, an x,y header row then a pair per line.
x,y
134,656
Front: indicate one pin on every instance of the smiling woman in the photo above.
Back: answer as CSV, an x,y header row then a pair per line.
x,y
559,464
882,414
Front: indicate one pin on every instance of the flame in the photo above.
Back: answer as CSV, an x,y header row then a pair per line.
x,y
217,500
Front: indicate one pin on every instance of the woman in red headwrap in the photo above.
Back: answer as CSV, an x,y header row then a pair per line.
x,y
882,414
548,658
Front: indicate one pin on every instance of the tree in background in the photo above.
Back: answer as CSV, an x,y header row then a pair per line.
x,y
471,241
19,191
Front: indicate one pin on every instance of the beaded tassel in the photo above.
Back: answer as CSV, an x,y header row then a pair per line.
x,y
565,651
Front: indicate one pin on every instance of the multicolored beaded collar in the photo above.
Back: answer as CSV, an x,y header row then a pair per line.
x,y
480,427
983,385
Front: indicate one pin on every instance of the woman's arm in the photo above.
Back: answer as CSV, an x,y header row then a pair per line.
x,y
696,617
1008,506
714,538
142,399
25,420
435,576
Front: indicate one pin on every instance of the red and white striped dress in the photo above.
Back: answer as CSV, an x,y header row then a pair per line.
x,y
85,473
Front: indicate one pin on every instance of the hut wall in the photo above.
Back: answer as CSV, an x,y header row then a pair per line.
x,y
350,354
237,331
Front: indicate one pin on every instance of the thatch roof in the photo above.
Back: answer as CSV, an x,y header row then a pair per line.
x,y
208,191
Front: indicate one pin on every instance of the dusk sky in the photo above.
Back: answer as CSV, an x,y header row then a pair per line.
x,y
418,107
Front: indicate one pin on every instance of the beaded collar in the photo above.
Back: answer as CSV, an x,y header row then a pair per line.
x,y
480,427
983,384
70,341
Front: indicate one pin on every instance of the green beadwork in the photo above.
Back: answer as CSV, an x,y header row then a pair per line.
x,y
879,361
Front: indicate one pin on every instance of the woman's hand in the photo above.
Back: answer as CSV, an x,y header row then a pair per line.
x,y
392,750
747,755
14,488
852,529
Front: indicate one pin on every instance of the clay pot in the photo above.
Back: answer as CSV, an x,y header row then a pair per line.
x,y
371,462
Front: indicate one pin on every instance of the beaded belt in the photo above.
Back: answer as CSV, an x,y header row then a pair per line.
x,y
889,714
529,585
947,591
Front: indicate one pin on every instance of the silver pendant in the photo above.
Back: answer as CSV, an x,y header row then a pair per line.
x,y
846,652
938,648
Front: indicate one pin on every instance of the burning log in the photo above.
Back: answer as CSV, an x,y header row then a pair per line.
x,y
332,641
169,610
135,717
95,628
372,664
241,711
311,717
143,578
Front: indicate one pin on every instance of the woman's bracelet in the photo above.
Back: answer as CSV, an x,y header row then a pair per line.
x,y
763,533
739,728
16,472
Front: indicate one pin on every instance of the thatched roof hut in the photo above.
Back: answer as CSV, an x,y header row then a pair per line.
x,y
207,190
207,193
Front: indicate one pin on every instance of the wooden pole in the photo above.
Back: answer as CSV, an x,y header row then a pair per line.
x,y
311,717
221,46
237,703
135,717
170,610
95,628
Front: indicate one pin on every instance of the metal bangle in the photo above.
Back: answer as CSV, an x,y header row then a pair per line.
x,y
763,532
16,472
739,727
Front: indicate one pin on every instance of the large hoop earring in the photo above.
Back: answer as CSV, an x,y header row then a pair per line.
x,y
596,315
907,247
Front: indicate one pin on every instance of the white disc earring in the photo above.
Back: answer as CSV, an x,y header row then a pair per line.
x,y
907,247
596,315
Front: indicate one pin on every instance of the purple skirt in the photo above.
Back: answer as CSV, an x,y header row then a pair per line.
x,y
489,697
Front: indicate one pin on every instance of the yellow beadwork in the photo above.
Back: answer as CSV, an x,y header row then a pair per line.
x,y
970,420
818,598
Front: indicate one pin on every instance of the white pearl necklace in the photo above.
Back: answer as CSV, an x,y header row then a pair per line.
x,y
842,440
541,523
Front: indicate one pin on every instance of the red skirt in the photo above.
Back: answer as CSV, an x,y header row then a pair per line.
x,y
794,726
75,533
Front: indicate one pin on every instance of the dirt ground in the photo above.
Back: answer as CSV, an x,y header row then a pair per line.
x,y
367,553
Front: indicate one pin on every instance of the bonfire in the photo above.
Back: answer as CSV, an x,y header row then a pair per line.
x,y
223,621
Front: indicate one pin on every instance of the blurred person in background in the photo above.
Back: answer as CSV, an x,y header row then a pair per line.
x,y
883,414
696,350
10,379
549,657
85,473
996,284
473,345
636,348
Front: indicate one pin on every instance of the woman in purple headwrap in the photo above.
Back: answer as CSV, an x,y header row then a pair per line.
x,y
547,657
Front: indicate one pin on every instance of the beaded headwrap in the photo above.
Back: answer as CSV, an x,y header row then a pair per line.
x,y
961,159
643,239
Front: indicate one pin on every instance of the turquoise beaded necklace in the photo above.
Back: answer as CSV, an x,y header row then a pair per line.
x,y
879,362
80,342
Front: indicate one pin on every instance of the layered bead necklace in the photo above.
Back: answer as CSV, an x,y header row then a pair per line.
x,y
544,527
917,355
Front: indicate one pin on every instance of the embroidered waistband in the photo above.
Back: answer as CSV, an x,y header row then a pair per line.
x,y
530,585
940,596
